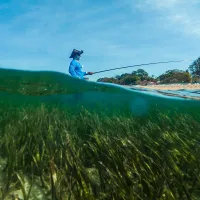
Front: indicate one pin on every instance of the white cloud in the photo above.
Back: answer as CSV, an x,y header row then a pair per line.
x,y
180,15
165,3
41,36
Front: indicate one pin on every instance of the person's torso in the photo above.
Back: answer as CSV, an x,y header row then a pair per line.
x,y
77,67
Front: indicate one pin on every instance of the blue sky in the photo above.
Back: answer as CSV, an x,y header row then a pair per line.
x,y
40,35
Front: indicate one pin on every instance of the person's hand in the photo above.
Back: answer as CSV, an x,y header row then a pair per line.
x,y
90,73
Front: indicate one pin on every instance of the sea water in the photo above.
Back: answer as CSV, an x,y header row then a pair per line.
x,y
21,88
26,88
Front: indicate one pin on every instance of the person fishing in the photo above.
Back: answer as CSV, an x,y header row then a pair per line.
x,y
75,68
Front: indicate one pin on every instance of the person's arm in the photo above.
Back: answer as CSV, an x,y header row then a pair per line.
x,y
89,73
78,66
85,73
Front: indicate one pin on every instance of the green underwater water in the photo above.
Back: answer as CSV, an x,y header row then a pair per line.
x,y
129,156
21,88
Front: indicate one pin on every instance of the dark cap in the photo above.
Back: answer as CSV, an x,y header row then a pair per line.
x,y
75,52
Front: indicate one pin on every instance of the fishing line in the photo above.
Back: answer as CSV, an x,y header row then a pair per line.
x,y
155,63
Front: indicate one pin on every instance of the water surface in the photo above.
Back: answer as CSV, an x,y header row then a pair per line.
x,y
21,88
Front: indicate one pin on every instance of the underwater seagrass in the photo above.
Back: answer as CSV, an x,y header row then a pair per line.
x,y
94,141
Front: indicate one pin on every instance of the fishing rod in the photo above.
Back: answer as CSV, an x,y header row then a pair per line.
x,y
155,63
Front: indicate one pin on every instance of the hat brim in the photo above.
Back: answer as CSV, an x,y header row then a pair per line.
x,y
75,53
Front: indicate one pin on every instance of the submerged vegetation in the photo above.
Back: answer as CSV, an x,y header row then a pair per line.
x,y
48,153
51,148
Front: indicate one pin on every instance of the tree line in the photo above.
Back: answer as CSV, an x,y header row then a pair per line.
x,y
141,77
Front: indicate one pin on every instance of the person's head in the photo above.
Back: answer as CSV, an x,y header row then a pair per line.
x,y
77,57
76,54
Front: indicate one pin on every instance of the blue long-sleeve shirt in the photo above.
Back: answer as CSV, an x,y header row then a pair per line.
x,y
75,69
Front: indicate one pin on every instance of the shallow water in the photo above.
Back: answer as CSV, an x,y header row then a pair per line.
x,y
33,88
25,88
182,93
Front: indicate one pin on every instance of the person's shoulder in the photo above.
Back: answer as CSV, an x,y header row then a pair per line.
x,y
74,62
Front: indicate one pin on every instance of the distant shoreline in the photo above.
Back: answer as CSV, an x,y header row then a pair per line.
x,y
189,86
